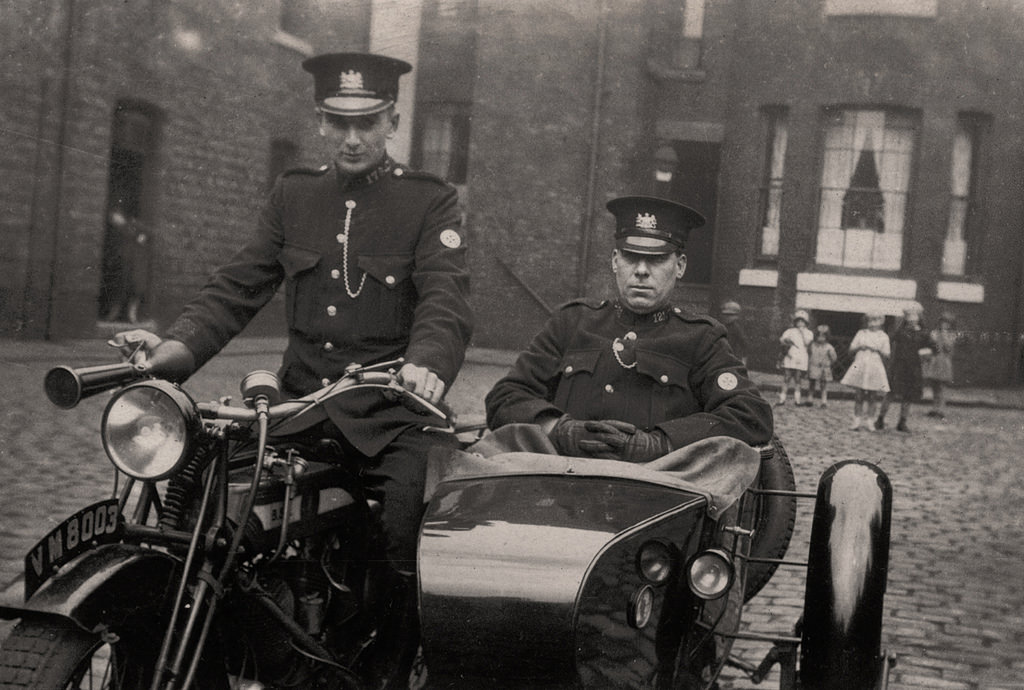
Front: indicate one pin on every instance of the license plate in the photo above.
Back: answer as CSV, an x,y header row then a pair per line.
x,y
100,523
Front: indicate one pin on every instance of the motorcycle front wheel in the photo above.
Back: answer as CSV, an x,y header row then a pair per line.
x,y
54,654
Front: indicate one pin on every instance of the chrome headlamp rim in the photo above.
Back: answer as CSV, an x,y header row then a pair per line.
x,y
153,403
703,560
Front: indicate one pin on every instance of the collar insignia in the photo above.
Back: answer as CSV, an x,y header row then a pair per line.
x,y
646,221
351,80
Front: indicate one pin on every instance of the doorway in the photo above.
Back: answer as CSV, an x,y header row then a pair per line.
x,y
695,184
125,269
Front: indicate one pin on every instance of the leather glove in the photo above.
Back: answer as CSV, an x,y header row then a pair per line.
x,y
644,446
570,437
610,432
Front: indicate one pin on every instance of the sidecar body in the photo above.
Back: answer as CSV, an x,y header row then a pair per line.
x,y
597,574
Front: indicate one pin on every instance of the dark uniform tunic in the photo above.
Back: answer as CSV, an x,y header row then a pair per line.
x,y
668,370
374,269
394,239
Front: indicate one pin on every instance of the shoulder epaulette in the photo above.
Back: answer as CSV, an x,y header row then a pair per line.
x,y
409,174
586,302
306,171
691,317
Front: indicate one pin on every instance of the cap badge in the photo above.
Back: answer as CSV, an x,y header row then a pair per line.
x,y
351,80
646,221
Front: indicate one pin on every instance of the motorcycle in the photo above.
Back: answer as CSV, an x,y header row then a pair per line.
x,y
243,552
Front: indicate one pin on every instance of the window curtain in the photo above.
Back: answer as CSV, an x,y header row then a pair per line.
x,y
773,212
891,148
954,255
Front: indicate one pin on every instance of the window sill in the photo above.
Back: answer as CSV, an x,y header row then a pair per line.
x,y
959,291
292,42
664,72
759,277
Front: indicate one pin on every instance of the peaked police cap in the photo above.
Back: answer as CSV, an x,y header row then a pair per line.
x,y
649,225
355,83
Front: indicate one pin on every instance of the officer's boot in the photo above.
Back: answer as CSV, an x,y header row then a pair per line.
x,y
398,632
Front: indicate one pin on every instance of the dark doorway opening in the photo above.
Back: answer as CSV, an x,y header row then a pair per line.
x,y
695,183
125,269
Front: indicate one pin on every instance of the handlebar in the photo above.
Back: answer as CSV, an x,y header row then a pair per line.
x,y
358,379
66,387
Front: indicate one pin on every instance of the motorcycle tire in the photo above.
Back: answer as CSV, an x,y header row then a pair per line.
x,y
774,519
52,654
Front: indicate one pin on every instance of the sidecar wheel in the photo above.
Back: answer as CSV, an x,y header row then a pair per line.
x,y
774,519
50,654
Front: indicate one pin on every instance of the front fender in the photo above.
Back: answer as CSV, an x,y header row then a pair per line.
x,y
848,564
104,587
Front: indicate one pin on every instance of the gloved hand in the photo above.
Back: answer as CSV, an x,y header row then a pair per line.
x,y
644,446
610,432
570,437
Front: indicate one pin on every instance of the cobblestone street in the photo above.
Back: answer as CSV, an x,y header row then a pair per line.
x,y
955,603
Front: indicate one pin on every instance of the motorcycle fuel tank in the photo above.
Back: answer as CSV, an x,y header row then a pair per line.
x,y
537,577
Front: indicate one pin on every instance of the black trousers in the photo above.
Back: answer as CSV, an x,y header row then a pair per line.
x,y
398,477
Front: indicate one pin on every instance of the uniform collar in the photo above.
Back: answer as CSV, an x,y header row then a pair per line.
x,y
346,182
627,317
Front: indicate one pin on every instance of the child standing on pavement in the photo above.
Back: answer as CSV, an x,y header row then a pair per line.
x,y
867,373
821,357
794,361
911,345
938,369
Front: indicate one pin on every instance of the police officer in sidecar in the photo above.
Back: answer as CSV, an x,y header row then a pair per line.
x,y
634,378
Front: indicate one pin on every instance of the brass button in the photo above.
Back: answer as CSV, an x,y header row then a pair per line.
x,y
335,273
328,347
608,388
332,310
350,204
568,369
341,238
664,378
325,382
399,172
390,280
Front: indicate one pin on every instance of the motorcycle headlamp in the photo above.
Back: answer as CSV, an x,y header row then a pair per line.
x,y
710,574
148,428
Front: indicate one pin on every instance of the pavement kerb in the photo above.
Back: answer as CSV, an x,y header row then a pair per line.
x,y
95,351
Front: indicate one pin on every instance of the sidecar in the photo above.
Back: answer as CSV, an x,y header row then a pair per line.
x,y
573,573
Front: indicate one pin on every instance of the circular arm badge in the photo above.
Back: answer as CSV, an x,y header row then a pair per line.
x,y
727,381
451,239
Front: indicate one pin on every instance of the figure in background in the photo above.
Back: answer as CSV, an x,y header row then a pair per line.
x,y
795,341
128,268
911,344
734,331
867,377
938,369
820,359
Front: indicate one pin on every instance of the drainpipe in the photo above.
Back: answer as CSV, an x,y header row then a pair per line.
x,y
583,255
63,107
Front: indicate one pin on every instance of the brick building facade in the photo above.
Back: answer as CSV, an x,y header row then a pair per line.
x,y
849,154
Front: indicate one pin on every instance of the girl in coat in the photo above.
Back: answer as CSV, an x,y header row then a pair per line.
x,y
911,344
870,347
938,370
821,357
